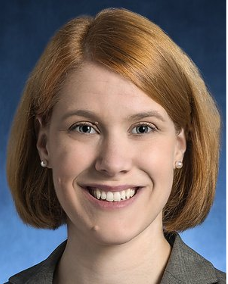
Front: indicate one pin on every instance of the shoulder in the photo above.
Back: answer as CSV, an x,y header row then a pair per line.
x,y
40,273
187,266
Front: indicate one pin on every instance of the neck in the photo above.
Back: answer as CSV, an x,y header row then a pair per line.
x,y
140,260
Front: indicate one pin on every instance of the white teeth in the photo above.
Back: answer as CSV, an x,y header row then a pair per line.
x,y
128,193
122,195
109,196
113,196
116,196
103,195
98,194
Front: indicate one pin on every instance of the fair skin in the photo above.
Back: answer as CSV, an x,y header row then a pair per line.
x,y
106,137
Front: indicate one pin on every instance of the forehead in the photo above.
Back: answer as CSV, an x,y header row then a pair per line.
x,y
94,85
94,78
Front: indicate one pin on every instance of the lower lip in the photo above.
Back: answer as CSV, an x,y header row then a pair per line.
x,y
103,204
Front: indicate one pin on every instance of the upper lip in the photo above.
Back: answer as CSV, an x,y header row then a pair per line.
x,y
109,187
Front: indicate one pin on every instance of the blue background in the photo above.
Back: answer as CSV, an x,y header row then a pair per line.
x,y
198,26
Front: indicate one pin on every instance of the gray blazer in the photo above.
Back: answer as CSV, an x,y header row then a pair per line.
x,y
185,266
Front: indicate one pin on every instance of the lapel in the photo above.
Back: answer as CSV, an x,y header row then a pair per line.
x,y
187,266
42,272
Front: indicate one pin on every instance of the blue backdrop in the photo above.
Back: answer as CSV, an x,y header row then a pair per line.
x,y
198,26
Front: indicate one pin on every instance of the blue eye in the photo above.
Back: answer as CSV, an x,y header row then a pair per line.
x,y
83,128
143,129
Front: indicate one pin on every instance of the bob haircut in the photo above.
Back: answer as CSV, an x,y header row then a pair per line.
x,y
141,52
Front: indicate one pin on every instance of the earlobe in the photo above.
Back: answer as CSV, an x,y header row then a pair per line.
x,y
42,141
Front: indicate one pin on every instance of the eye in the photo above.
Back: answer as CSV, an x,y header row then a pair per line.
x,y
84,128
143,128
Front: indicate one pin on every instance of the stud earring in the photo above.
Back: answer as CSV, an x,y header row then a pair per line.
x,y
43,163
179,164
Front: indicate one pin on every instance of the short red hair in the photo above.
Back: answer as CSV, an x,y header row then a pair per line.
x,y
140,51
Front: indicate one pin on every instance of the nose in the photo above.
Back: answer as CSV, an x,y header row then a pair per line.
x,y
114,157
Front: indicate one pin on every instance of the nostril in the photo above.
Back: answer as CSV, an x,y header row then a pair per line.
x,y
114,156
112,168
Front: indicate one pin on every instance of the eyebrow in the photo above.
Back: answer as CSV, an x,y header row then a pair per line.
x,y
91,115
80,112
147,114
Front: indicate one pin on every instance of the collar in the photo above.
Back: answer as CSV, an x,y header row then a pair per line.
x,y
187,266
42,272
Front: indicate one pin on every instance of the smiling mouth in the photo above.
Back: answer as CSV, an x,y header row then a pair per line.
x,y
110,196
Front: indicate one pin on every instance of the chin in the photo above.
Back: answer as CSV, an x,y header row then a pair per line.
x,y
117,234
112,237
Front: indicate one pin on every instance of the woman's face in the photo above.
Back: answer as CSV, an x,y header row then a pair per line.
x,y
112,151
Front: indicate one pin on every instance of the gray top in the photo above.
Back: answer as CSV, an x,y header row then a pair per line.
x,y
184,266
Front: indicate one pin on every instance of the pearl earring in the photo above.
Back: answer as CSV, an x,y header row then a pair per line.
x,y
43,163
179,164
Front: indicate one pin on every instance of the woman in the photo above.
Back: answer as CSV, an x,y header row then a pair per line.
x,y
119,139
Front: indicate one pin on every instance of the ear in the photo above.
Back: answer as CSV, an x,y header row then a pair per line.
x,y
42,140
181,146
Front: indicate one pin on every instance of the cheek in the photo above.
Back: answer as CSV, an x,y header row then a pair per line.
x,y
69,161
70,158
157,160
160,151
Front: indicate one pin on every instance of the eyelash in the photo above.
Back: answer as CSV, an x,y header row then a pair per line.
x,y
79,125
149,125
